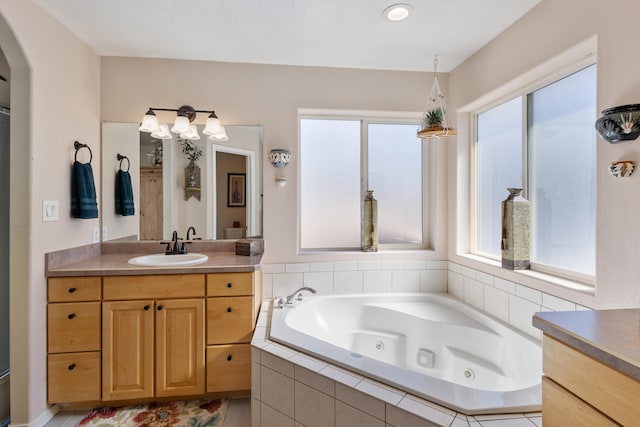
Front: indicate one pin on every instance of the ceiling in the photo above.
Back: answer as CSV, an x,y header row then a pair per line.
x,y
329,33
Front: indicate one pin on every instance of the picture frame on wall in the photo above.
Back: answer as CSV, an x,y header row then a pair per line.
x,y
236,190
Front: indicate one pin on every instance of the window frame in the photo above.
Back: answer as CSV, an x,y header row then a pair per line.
x,y
365,118
522,93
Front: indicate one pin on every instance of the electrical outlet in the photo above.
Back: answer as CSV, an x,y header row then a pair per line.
x,y
104,233
50,210
96,234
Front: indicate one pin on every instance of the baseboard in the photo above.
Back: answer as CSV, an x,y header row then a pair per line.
x,y
42,419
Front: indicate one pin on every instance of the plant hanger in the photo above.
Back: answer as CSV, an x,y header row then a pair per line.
x,y
434,119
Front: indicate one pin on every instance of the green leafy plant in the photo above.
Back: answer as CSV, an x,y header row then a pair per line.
x,y
433,118
193,152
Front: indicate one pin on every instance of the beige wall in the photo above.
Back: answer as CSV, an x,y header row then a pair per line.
x,y
270,95
553,28
55,99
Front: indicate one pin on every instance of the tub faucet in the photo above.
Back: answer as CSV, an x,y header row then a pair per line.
x,y
189,230
297,295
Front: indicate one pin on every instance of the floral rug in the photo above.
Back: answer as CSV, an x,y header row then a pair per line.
x,y
193,413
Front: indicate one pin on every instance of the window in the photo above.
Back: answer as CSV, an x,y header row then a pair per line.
x,y
340,159
543,141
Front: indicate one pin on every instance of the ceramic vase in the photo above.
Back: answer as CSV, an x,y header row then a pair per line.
x,y
370,223
516,234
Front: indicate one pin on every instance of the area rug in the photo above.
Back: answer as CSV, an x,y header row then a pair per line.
x,y
192,413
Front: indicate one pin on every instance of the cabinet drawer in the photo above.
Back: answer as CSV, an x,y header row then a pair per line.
x,y
229,284
604,388
562,408
73,377
228,368
73,327
68,289
229,320
153,286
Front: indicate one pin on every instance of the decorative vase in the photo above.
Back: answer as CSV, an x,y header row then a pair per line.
x,y
370,223
516,232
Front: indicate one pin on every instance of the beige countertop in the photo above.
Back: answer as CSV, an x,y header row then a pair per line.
x,y
99,260
609,336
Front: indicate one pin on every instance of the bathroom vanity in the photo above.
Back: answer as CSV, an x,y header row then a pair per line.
x,y
591,367
118,332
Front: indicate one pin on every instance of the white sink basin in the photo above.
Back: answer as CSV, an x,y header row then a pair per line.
x,y
162,260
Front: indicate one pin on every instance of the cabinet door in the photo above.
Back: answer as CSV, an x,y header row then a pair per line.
x,y
127,355
228,368
179,347
229,320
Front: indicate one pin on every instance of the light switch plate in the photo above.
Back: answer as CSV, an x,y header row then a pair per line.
x,y
95,235
50,211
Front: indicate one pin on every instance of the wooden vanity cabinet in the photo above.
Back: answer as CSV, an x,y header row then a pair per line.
x,y
117,338
153,345
73,339
579,390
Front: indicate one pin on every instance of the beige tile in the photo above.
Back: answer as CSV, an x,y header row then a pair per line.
x,y
360,401
277,364
347,416
255,413
269,417
308,362
238,413
381,391
316,381
400,418
277,391
255,354
313,408
255,380
341,375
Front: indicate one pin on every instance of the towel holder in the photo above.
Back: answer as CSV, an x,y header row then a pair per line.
x,y
79,146
121,158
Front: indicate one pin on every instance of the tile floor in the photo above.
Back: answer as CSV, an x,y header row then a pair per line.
x,y
238,415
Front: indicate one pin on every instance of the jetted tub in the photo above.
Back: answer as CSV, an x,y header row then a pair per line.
x,y
430,345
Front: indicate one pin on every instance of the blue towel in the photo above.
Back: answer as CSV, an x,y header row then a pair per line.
x,y
124,194
83,191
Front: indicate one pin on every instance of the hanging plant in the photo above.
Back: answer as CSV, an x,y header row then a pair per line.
x,y
193,152
433,119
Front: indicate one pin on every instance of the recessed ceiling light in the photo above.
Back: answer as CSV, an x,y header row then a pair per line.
x,y
397,12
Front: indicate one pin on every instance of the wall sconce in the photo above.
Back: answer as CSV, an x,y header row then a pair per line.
x,y
619,124
182,124
279,157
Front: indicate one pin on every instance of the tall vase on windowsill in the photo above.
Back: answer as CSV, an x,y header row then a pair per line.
x,y
370,223
516,234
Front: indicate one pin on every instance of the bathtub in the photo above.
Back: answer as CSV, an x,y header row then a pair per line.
x,y
429,345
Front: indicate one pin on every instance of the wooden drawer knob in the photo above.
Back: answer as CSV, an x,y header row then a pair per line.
x,y
72,290
71,316
72,367
229,357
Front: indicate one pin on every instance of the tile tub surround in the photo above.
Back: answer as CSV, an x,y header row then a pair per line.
x,y
511,302
290,388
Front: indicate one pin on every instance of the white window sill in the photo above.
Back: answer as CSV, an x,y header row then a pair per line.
x,y
560,286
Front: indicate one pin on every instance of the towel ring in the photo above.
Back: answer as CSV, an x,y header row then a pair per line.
x,y
121,158
78,146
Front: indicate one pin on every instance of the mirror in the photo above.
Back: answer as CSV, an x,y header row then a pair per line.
x,y
221,198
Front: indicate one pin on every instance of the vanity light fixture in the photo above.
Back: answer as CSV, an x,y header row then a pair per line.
x,y
397,12
182,124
